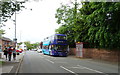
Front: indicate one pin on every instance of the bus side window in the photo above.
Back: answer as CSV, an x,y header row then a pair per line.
x,y
55,37
52,37
45,47
52,47
42,47
49,46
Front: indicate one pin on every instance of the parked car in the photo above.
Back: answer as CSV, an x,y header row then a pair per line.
x,y
34,50
19,50
39,50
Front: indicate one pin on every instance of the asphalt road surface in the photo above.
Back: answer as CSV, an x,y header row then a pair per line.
x,y
34,62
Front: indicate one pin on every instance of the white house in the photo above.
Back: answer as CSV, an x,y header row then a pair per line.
x,y
23,46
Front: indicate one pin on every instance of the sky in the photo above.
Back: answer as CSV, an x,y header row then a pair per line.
x,y
37,24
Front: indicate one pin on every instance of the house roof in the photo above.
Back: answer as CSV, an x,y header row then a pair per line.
x,y
5,39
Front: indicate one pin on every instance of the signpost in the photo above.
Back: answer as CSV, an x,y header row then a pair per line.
x,y
15,42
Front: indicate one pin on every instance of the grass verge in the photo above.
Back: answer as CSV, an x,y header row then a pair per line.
x,y
1,62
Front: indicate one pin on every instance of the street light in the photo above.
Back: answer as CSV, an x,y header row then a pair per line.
x,y
15,39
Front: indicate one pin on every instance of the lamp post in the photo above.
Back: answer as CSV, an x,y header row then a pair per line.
x,y
15,31
15,39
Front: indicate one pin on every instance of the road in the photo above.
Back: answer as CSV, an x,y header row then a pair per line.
x,y
34,62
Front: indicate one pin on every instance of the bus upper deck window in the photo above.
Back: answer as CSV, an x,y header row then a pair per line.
x,y
61,37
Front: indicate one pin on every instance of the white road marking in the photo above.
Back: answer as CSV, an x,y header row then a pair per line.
x,y
77,67
49,61
53,58
41,57
68,70
92,69
48,56
10,69
57,58
6,70
60,62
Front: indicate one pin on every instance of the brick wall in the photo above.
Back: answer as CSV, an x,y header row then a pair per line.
x,y
72,51
87,53
101,54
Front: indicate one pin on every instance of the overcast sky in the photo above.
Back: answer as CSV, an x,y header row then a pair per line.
x,y
37,24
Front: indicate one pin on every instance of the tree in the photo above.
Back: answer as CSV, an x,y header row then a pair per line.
x,y
66,16
1,32
95,22
35,45
8,8
28,44
102,18
31,46
19,43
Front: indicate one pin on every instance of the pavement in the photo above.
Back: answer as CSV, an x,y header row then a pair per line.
x,y
7,66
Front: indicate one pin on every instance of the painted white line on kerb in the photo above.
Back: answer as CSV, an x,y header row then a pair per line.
x,y
49,61
68,70
10,69
91,69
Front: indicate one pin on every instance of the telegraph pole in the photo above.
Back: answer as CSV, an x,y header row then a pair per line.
x,y
15,39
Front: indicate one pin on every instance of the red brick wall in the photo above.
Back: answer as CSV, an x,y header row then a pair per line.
x,y
101,54
87,53
72,51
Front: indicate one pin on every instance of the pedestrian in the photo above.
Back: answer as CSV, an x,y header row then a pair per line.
x,y
5,53
9,53
14,53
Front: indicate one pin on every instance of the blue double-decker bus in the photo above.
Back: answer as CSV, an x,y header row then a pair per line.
x,y
55,45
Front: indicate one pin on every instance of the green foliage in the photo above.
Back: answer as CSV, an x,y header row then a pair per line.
x,y
31,46
19,43
1,62
28,44
35,45
97,23
8,8
103,23
65,16
1,32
